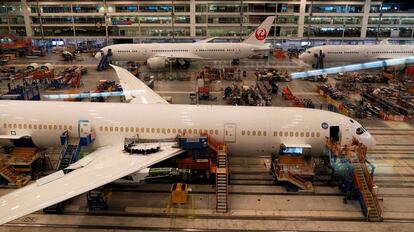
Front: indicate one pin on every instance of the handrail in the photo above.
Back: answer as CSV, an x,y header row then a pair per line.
x,y
64,149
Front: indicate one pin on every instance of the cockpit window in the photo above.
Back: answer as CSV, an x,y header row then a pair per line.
x,y
309,52
360,130
352,121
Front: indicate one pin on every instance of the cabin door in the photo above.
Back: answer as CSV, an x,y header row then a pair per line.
x,y
84,129
334,133
229,132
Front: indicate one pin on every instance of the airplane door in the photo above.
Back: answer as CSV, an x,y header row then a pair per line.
x,y
84,129
346,137
334,133
229,133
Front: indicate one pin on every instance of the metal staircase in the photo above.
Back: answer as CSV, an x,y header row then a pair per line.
x,y
222,180
363,181
69,153
298,181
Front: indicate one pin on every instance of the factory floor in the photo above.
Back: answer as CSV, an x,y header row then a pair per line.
x,y
255,202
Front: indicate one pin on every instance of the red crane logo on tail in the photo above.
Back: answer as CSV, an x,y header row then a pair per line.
x,y
261,34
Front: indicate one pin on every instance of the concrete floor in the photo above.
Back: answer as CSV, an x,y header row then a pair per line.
x,y
255,202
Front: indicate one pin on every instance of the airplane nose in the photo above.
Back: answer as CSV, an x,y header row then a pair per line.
x,y
369,141
302,57
98,55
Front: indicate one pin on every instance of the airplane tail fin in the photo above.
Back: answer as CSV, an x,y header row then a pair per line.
x,y
259,35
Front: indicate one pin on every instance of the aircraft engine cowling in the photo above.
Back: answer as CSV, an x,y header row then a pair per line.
x,y
157,62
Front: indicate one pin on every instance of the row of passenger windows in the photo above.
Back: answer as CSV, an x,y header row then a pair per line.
x,y
157,130
212,50
37,126
387,52
173,50
282,133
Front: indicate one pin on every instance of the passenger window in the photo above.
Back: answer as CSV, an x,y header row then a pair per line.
x,y
318,134
24,126
50,127
158,130
70,127
147,130
264,133
168,130
174,131
216,132
291,134
44,127
254,133
60,127
121,129
248,133
142,130
5,125
127,129
30,126
111,129
35,126
211,132
163,130
152,130
280,134
243,132
190,131
307,134
10,126
313,134
55,127
296,134
106,128
100,128
65,127
286,134
302,134
20,126
259,133
116,129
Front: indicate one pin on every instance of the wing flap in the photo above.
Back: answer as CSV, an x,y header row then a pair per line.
x,y
109,164
136,91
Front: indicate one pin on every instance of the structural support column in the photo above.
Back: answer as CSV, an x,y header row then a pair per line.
x,y
301,22
27,24
192,18
365,18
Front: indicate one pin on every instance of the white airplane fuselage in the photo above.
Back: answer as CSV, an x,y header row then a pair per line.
x,y
348,54
216,51
246,130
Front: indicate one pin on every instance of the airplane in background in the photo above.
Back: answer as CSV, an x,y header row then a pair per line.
x,y
350,54
246,130
158,55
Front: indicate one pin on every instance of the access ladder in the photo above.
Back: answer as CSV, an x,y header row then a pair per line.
x,y
222,180
70,151
363,181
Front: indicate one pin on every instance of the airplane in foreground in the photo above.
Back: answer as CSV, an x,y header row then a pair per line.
x,y
350,54
246,130
158,55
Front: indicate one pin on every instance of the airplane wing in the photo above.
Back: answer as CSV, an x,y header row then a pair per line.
x,y
136,91
181,55
13,136
101,167
207,40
